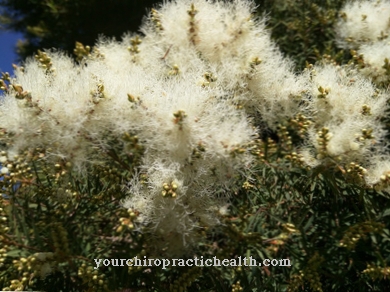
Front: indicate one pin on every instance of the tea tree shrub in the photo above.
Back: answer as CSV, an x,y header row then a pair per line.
x,y
158,146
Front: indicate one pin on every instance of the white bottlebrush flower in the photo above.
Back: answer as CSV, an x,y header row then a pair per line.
x,y
172,206
224,210
374,56
340,93
309,158
363,21
378,172
237,49
342,140
345,108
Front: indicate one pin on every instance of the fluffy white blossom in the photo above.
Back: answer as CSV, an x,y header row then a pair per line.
x,y
173,89
363,21
365,27
345,108
374,56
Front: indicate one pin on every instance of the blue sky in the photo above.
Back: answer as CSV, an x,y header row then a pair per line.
x,y
8,56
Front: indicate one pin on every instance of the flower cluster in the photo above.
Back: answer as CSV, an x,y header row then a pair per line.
x,y
167,91
345,108
364,27
189,98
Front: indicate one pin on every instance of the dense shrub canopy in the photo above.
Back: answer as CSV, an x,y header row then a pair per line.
x,y
199,137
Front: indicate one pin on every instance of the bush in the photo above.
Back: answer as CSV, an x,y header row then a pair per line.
x,y
196,139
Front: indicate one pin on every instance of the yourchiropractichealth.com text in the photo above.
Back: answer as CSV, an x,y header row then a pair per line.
x,y
199,262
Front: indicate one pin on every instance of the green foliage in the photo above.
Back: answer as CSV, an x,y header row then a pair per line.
x,y
335,234
304,30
